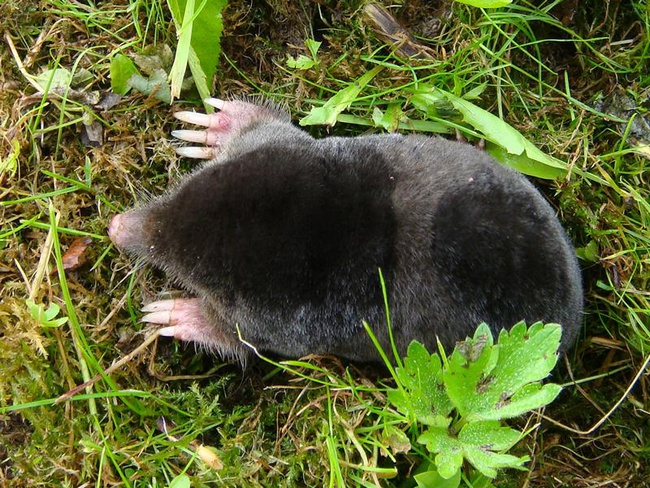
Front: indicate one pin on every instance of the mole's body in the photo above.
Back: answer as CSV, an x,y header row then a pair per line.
x,y
282,236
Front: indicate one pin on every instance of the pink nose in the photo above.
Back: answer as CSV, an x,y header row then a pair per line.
x,y
114,229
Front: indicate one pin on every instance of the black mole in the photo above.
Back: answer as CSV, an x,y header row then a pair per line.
x,y
281,235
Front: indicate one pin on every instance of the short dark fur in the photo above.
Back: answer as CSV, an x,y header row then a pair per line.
x,y
283,236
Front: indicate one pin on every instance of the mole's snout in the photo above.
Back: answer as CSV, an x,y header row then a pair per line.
x,y
115,231
124,230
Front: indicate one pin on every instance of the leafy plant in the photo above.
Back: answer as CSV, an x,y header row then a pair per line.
x,y
306,62
199,26
462,399
46,317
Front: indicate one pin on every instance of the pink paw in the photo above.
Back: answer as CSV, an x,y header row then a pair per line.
x,y
186,321
183,316
220,126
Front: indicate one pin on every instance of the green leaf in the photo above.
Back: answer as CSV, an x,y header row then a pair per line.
x,y
487,382
45,318
313,47
448,451
155,85
328,113
301,62
181,481
9,165
390,119
589,253
199,26
57,80
486,3
504,142
431,478
422,394
122,68
528,162
395,440
479,442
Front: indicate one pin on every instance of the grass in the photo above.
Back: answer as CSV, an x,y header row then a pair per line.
x,y
563,74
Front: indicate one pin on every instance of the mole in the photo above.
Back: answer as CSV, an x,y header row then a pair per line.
x,y
279,238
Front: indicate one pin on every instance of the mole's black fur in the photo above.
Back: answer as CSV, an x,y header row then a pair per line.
x,y
282,235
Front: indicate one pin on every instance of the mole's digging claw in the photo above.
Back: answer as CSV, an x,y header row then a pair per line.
x,y
215,102
167,331
194,118
196,152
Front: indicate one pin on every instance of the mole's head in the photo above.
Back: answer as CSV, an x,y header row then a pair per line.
x,y
181,232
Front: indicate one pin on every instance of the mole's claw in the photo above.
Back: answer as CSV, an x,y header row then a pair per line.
x,y
194,118
215,102
191,135
159,306
162,317
196,152
167,331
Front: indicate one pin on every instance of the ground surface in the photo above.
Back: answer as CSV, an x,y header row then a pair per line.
x,y
572,76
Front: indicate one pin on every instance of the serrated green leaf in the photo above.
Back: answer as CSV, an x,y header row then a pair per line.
x,y
122,68
478,442
528,398
423,395
504,142
327,114
468,373
492,385
199,25
481,447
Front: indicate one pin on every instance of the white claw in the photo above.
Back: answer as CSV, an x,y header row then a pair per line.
x,y
191,135
161,317
159,306
194,118
196,152
167,331
215,102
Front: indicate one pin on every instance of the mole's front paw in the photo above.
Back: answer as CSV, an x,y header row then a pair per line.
x,y
183,317
220,126
185,320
